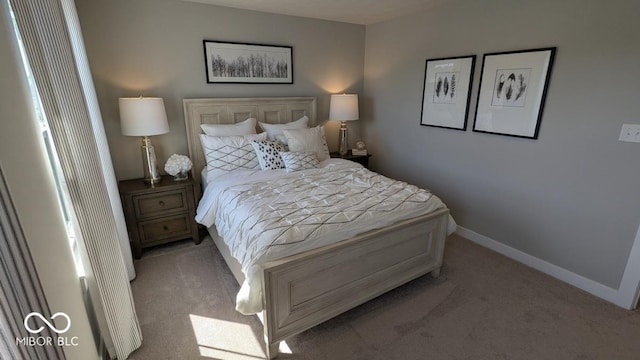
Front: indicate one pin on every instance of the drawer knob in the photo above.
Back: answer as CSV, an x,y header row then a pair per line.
x,y
161,203
165,227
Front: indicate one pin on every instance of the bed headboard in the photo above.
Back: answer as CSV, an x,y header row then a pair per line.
x,y
272,110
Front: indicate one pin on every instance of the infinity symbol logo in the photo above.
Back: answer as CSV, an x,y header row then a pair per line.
x,y
51,326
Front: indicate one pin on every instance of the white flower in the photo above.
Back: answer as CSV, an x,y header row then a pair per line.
x,y
177,164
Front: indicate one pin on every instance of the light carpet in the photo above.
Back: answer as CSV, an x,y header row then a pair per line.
x,y
483,306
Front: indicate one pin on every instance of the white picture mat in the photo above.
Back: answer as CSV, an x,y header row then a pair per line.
x,y
512,120
453,113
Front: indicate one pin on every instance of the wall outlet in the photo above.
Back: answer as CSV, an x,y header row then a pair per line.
x,y
630,133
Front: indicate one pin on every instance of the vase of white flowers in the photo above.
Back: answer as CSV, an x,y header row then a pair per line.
x,y
178,166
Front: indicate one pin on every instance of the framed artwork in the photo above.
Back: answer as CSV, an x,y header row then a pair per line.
x,y
446,90
228,62
513,87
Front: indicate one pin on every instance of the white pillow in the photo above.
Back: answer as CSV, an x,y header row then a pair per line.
x,y
229,153
308,140
281,138
296,161
268,153
246,127
276,129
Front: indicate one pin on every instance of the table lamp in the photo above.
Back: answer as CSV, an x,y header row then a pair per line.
x,y
144,116
344,108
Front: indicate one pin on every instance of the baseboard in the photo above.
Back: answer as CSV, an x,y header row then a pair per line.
x,y
630,285
615,296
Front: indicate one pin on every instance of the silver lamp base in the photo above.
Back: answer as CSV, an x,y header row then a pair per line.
x,y
344,148
151,175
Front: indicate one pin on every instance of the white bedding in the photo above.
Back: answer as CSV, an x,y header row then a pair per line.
x,y
266,215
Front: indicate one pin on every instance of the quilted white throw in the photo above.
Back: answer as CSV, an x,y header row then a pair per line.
x,y
266,215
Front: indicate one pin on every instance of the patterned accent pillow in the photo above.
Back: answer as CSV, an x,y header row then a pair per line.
x,y
296,161
308,140
268,153
228,153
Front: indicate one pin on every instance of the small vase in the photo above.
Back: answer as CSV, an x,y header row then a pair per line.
x,y
181,176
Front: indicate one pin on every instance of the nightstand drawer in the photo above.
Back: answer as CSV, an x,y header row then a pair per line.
x,y
165,228
160,203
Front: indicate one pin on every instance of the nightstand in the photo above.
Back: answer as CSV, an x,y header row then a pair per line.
x,y
361,159
160,213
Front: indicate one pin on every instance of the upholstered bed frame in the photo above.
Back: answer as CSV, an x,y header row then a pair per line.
x,y
306,289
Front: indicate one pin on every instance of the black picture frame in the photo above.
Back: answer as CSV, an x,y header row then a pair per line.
x,y
446,92
247,63
512,92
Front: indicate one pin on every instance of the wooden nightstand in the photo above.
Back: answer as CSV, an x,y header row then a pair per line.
x,y
160,213
361,159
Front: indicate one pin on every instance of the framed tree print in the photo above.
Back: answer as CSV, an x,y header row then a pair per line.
x,y
513,88
228,62
446,90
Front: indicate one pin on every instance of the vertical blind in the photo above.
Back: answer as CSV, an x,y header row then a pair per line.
x,y
20,289
84,73
52,41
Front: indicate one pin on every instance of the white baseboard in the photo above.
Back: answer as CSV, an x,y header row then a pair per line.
x,y
630,285
618,297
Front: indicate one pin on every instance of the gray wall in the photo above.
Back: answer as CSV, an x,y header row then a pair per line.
x,y
154,48
571,197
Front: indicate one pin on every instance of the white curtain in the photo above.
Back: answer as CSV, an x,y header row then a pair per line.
x,y
51,34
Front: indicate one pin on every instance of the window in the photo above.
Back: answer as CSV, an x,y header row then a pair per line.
x,y
64,202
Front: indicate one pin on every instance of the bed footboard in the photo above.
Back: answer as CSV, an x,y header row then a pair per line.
x,y
306,289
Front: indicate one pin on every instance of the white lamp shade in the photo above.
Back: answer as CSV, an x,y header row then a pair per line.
x,y
344,107
143,116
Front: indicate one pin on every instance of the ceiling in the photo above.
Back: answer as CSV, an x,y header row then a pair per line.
x,y
362,12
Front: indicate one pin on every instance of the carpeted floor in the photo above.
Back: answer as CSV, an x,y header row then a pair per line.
x,y
483,306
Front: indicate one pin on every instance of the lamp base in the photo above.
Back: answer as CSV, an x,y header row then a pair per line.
x,y
151,181
151,175
344,148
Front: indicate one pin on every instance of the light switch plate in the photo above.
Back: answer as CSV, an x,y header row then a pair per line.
x,y
630,133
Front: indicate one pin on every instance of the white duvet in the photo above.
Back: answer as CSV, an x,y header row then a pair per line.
x,y
266,215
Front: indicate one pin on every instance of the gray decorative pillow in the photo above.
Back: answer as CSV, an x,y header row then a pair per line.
x,y
296,161
268,153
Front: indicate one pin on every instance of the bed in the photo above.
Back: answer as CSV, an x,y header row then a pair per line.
x,y
309,287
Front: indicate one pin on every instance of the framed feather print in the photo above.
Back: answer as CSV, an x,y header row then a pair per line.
x,y
446,90
513,88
